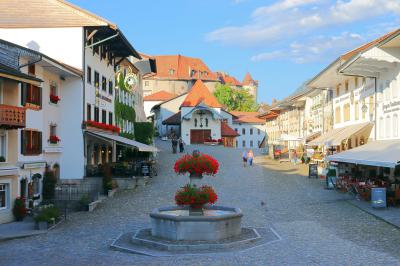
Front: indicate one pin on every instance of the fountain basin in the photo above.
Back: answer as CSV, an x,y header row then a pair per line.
x,y
174,223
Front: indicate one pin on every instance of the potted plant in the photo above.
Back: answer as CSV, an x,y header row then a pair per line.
x,y
19,209
195,197
54,139
2,159
54,98
84,203
46,214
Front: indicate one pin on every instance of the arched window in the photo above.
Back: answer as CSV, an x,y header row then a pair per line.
x,y
387,126
195,122
346,112
395,125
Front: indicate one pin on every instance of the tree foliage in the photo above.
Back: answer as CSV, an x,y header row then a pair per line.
x,y
235,99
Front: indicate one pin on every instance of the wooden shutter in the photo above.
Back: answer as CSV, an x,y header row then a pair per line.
x,y
24,93
23,143
39,90
39,134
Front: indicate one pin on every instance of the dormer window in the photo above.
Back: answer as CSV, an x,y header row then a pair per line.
x,y
192,73
31,69
171,71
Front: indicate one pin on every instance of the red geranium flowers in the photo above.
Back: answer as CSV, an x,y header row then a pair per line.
x,y
195,197
201,164
103,126
54,98
54,139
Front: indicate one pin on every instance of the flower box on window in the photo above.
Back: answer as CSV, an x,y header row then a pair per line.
x,y
54,98
54,139
103,126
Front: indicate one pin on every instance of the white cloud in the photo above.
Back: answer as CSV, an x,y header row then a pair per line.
x,y
291,18
314,49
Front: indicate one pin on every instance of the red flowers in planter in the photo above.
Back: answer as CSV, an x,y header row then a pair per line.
x,y
194,196
54,139
103,126
200,164
54,98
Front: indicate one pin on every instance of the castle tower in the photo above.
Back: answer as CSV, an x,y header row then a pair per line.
x,y
251,85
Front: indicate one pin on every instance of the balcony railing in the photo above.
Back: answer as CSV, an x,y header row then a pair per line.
x,y
12,117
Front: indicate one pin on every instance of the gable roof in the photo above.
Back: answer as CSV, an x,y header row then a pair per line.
x,y
227,79
179,67
174,119
200,94
247,117
159,96
47,14
227,131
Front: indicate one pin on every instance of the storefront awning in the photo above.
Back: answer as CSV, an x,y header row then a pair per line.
x,y
122,140
336,136
383,153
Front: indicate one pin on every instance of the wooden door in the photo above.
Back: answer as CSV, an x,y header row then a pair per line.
x,y
198,136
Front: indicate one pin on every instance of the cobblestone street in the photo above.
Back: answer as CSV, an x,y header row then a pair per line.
x,y
317,226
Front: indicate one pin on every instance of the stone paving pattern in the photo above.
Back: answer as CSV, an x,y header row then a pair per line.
x,y
317,226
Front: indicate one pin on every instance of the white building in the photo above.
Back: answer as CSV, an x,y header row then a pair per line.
x,y
251,129
155,99
40,92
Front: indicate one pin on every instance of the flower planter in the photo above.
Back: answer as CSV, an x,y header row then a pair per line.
x,y
196,210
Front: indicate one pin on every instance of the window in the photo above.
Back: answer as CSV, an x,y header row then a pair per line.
x,y
104,116
236,130
251,143
387,91
237,144
337,115
110,118
53,130
371,106
96,79
103,83
356,82
346,86
195,122
89,75
96,114
3,144
258,143
243,143
31,94
31,142
110,87
146,83
387,126
192,73
251,131
88,112
243,131
3,196
258,131
171,71
36,184
381,128
362,109
31,69
346,112
337,90
356,110
349,146
395,125
206,122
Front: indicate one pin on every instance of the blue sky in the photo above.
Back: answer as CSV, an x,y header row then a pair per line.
x,y
281,43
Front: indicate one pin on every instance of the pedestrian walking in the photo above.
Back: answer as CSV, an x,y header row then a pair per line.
x,y
244,157
174,142
181,145
250,157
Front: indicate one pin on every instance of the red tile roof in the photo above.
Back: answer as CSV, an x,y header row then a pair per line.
x,y
226,79
227,131
248,80
200,94
174,119
364,47
247,117
159,96
179,67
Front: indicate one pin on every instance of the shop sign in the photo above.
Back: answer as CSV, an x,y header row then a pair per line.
x,y
344,98
104,98
33,165
391,107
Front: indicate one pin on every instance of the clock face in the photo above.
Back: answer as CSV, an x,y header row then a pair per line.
x,y
131,81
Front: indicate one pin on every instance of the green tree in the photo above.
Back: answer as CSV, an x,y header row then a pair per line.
x,y
235,99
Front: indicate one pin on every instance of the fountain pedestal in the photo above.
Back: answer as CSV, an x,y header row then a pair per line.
x,y
175,223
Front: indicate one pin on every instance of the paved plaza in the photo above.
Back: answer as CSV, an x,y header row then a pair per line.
x,y
316,226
